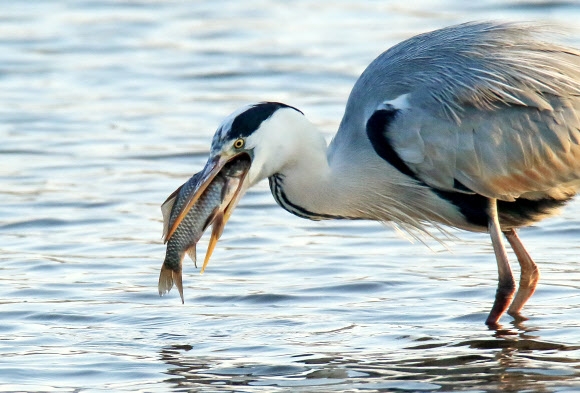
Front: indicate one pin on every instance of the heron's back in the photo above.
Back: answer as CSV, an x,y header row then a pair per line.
x,y
487,110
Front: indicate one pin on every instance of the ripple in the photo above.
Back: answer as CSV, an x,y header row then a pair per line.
x,y
109,106
51,222
368,287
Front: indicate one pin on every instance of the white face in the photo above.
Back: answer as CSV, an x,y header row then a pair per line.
x,y
267,132
222,137
273,144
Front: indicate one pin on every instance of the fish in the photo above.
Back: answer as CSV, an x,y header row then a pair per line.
x,y
211,208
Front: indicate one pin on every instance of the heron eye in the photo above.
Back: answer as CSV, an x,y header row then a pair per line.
x,y
239,143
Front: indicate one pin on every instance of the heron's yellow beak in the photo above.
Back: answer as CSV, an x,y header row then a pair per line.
x,y
233,190
224,212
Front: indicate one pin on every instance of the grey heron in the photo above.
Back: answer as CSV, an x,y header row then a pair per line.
x,y
474,126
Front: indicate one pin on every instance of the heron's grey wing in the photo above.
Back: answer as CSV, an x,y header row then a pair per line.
x,y
502,153
480,107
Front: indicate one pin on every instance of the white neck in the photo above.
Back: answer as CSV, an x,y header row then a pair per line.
x,y
306,186
294,156
290,151
314,187
312,182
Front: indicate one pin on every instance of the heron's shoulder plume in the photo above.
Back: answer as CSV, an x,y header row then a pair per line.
x,y
479,64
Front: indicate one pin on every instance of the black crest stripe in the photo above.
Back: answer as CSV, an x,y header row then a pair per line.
x,y
250,120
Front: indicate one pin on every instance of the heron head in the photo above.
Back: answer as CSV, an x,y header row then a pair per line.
x,y
266,132
261,133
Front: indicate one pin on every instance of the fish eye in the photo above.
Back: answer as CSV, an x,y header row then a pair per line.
x,y
239,143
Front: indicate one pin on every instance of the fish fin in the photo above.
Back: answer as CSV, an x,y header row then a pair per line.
x,y
166,208
192,254
167,278
218,225
179,284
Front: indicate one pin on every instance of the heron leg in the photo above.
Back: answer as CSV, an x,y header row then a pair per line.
x,y
506,285
529,275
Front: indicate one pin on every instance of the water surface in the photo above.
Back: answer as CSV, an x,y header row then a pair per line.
x,y
108,106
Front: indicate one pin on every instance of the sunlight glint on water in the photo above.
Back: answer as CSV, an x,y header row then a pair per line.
x,y
108,106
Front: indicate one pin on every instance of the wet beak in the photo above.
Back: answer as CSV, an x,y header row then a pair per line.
x,y
209,172
232,194
223,215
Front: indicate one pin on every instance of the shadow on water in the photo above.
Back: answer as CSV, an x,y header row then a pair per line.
x,y
508,360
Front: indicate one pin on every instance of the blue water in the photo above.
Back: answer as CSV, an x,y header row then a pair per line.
x,y
108,106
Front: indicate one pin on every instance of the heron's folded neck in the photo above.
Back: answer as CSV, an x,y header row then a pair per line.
x,y
350,183
308,187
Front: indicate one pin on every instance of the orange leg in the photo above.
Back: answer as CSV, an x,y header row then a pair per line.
x,y
529,275
506,284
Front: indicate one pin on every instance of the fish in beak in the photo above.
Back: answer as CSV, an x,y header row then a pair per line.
x,y
208,198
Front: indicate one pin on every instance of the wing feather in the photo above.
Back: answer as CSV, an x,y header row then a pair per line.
x,y
489,105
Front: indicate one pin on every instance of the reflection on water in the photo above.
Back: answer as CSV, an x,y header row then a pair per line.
x,y
511,360
108,106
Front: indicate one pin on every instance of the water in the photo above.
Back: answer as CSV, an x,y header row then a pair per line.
x,y
107,106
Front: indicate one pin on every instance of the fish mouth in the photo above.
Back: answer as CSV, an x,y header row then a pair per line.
x,y
215,166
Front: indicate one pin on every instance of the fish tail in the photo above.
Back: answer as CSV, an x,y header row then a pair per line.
x,y
165,280
179,284
168,277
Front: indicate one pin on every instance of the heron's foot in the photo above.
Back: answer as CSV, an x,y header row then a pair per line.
x,y
517,316
503,299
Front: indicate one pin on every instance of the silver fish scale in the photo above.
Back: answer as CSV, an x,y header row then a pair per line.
x,y
193,224
187,188
232,169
